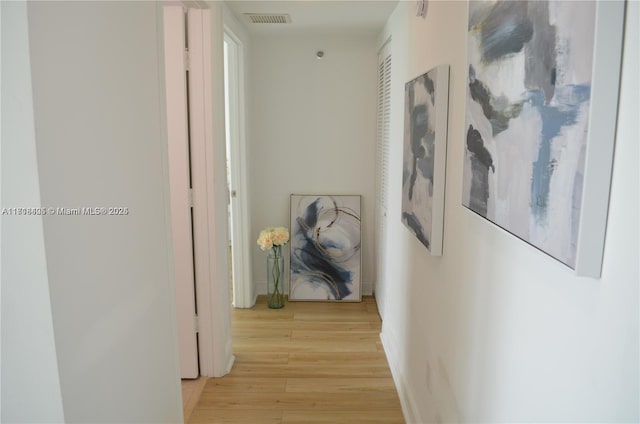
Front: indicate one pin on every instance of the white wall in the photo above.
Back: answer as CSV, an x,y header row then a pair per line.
x,y
312,130
495,331
30,381
101,142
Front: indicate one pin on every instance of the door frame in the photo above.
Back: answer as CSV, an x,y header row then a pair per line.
x,y
243,291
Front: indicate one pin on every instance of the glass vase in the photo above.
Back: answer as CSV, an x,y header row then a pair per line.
x,y
275,278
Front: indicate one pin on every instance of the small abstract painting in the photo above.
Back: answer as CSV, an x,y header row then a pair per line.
x,y
325,248
529,94
424,158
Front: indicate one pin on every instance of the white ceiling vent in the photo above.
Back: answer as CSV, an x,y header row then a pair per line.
x,y
268,18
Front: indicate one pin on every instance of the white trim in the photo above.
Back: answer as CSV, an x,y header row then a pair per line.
x,y
218,300
407,402
243,296
193,4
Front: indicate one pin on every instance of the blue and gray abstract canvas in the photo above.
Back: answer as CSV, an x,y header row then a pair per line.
x,y
528,93
325,248
419,156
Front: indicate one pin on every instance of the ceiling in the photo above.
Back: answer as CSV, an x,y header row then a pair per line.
x,y
317,16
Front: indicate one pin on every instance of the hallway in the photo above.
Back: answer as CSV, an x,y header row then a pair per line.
x,y
305,363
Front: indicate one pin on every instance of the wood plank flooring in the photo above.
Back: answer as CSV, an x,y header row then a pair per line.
x,y
191,391
306,363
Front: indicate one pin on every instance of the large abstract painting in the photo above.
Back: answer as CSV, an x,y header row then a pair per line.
x,y
531,131
325,248
424,159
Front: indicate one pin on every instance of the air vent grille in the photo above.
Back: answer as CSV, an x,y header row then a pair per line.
x,y
268,18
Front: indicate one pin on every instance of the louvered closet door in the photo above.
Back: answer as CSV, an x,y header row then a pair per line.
x,y
382,167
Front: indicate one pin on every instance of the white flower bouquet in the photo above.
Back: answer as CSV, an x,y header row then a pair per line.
x,y
273,238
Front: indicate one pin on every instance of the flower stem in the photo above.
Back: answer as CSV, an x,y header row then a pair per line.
x,y
276,273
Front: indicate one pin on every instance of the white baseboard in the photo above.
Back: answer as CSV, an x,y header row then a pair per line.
x,y
411,414
261,288
232,360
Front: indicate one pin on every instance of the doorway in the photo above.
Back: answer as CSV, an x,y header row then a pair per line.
x,y
240,270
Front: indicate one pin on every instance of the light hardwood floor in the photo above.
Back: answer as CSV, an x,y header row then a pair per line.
x,y
191,391
305,363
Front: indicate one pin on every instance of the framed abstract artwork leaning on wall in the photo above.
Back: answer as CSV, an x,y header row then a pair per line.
x,y
425,156
325,248
542,95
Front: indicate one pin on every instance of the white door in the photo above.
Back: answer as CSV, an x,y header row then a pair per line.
x,y
243,293
176,76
